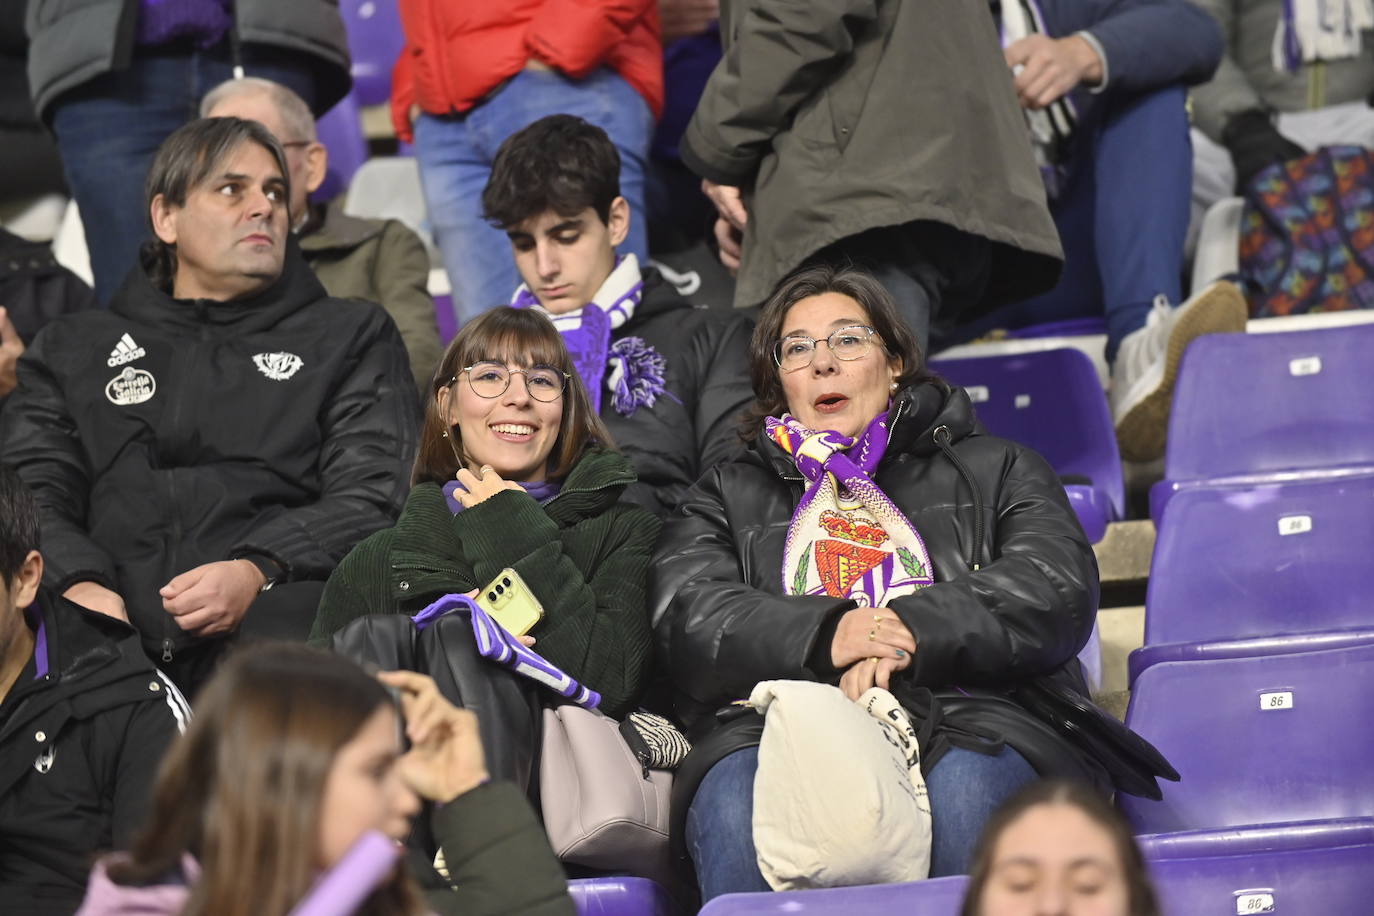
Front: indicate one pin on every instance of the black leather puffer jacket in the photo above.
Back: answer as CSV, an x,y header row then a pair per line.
x,y
1016,584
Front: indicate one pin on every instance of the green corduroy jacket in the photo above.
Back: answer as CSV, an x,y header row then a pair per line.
x,y
584,554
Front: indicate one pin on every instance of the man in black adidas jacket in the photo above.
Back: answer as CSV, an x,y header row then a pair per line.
x,y
224,428
84,719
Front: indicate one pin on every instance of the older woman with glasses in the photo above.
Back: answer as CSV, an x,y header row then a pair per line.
x,y
872,536
515,470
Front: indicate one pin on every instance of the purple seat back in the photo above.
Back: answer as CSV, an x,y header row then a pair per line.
x,y
1269,403
935,897
620,896
1051,401
342,135
1261,740
375,40
1262,561
1286,644
1315,867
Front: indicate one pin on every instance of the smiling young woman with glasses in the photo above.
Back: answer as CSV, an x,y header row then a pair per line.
x,y
516,473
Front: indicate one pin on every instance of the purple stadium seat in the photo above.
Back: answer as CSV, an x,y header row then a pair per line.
x,y
1313,867
375,39
342,134
936,897
1260,740
1255,407
620,897
1269,560
1051,401
1285,644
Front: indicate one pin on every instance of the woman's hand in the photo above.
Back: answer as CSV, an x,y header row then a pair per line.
x,y
483,485
870,632
445,758
871,672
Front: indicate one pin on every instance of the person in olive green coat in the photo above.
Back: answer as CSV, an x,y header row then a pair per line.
x,y
378,260
520,473
883,131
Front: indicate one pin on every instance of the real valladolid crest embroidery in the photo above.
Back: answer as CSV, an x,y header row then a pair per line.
x,y
278,366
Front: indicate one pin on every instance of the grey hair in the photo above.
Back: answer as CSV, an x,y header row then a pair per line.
x,y
295,114
186,160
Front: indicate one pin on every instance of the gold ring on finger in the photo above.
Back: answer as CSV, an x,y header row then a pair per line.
x,y
872,634
879,618
874,659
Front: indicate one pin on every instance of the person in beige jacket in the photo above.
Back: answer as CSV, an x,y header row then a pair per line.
x,y
381,261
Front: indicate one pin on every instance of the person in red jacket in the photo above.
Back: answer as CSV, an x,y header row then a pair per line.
x,y
472,74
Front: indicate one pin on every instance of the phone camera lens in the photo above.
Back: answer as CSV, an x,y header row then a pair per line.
x,y
491,596
500,589
506,582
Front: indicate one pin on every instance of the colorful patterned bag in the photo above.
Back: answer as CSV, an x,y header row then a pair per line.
x,y
1307,234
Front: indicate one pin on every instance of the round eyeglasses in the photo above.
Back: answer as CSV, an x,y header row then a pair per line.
x,y
792,353
490,380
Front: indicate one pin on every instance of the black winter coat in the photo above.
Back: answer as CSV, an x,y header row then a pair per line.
x,y
79,750
1015,591
695,424
165,434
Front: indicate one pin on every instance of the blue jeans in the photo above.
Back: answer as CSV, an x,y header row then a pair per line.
x,y
109,129
1122,216
456,153
965,787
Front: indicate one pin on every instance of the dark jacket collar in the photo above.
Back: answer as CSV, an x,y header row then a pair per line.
x,y
87,652
296,288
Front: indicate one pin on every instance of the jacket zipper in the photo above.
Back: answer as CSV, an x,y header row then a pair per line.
x,y
943,444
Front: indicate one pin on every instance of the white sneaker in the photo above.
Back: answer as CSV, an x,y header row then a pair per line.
x,y
1147,364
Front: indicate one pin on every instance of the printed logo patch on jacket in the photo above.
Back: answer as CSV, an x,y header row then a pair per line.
x,y
278,366
132,386
126,351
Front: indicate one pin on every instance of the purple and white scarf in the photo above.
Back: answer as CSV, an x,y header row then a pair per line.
x,y
496,644
1312,30
1052,127
847,539
630,369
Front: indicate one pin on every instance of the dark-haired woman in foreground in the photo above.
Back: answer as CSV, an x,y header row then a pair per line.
x,y
872,536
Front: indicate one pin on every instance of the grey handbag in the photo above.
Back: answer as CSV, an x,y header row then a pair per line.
x,y
603,807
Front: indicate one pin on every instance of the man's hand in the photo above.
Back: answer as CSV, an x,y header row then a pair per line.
x,y
729,228
1045,68
684,18
96,597
211,600
445,757
11,348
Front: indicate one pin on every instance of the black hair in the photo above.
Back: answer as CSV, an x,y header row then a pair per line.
x,y
803,283
18,523
560,163
186,159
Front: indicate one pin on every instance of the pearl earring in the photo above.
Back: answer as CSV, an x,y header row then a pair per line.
x,y
893,386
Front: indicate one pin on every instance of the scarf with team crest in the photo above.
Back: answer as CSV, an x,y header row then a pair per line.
x,y
847,539
629,368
